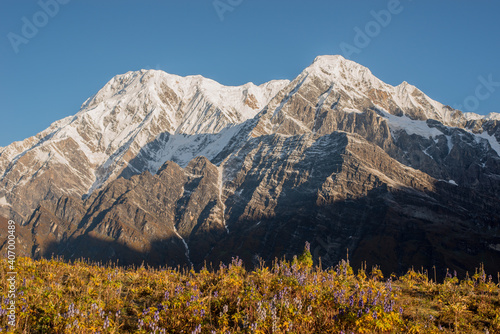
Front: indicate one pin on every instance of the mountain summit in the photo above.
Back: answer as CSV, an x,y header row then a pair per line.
x,y
181,170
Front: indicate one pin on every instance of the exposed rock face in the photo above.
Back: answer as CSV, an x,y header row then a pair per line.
x,y
172,217
172,170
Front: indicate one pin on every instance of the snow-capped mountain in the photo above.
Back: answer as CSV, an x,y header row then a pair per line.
x,y
190,170
130,111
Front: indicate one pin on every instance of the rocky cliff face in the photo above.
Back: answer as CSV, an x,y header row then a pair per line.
x,y
172,170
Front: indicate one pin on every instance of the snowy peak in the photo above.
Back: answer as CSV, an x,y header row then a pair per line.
x,y
342,71
492,116
357,83
187,102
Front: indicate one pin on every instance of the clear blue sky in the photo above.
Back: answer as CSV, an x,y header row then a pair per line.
x,y
441,46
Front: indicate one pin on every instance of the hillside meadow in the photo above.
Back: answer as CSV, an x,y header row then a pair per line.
x,y
54,296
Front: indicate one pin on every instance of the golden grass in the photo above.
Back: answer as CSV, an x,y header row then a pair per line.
x,y
287,297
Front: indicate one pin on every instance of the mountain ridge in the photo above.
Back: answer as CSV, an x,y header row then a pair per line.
x,y
335,156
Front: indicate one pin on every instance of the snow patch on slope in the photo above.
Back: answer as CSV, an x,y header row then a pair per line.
x,y
182,148
185,246
220,184
492,140
412,127
3,201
